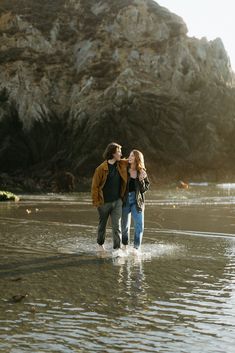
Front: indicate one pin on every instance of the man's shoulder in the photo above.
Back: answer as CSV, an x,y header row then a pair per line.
x,y
102,166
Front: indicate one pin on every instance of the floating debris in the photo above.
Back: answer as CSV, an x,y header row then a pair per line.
x,y
15,279
18,298
33,309
182,185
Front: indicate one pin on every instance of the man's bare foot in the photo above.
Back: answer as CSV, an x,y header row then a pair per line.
x,y
101,247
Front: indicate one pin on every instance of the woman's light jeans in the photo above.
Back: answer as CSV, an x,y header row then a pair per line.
x,y
130,209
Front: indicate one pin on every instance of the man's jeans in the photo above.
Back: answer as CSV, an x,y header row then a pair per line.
x,y
138,217
114,210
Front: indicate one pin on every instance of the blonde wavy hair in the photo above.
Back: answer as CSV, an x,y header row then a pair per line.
x,y
139,160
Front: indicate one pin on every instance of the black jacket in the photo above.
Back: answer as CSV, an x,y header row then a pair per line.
x,y
140,188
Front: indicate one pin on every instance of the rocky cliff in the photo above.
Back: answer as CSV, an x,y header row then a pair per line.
x,y
78,74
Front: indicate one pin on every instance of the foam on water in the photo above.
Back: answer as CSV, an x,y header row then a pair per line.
x,y
194,233
87,247
226,186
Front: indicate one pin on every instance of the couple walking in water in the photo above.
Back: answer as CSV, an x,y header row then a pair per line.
x,y
118,188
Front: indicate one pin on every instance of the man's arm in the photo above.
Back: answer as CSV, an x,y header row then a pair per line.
x,y
95,188
124,161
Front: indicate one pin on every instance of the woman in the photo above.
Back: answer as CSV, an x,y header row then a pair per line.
x,y
133,203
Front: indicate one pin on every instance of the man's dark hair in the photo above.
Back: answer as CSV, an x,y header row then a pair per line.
x,y
111,150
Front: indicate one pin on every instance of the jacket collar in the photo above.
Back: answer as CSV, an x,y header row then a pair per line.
x,y
105,165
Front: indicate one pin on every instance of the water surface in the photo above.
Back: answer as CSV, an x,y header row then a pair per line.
x,y
179,296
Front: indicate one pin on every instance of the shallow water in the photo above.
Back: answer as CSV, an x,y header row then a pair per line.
x,y
179,296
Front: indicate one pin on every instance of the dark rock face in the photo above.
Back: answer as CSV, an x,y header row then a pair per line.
x,y
78,74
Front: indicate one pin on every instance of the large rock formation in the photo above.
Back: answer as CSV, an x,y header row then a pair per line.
x,y
77,74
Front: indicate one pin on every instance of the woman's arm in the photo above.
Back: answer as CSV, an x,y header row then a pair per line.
x,y
144,184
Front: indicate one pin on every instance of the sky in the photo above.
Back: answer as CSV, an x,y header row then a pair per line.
x,y
207,18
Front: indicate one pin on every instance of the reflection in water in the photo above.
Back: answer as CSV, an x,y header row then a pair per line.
x,y
131,282
178,296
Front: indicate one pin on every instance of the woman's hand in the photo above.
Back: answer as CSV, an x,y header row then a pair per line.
x,y
142,175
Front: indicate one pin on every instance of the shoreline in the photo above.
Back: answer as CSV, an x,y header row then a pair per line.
x,y
26,184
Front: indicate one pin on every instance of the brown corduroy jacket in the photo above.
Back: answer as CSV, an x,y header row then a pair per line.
x,y
100,177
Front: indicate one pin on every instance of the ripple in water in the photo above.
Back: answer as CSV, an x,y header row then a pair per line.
x,y
179,296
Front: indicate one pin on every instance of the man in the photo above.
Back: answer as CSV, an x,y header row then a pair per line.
x,y
108,188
